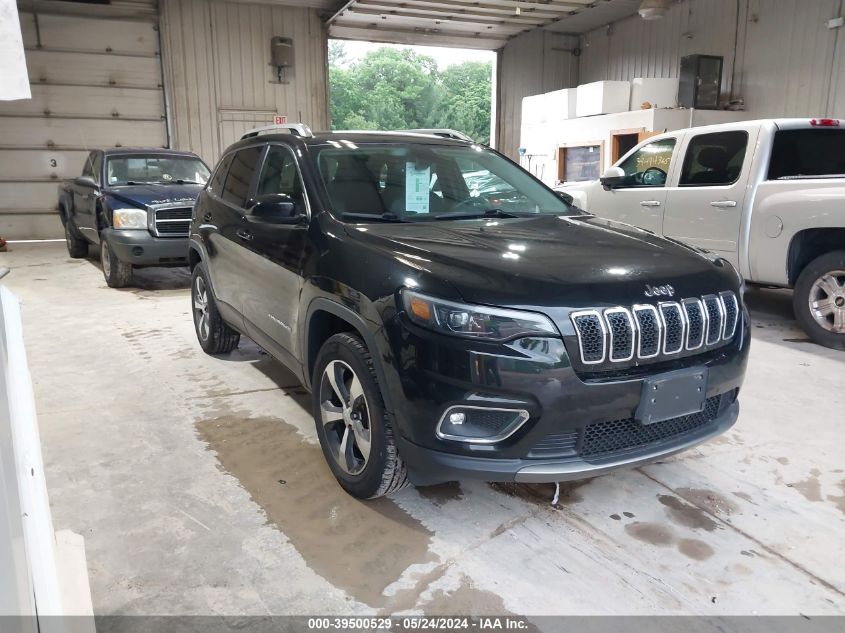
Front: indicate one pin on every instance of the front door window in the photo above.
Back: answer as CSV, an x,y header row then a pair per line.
x,y
649,165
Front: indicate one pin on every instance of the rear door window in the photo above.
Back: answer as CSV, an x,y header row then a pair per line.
x,y
810,153
239,179
714,159
215,185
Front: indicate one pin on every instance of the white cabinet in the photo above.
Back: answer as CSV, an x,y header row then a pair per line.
x,y
603,97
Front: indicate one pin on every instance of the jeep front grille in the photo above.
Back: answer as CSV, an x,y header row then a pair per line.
x,y
173,222
619,334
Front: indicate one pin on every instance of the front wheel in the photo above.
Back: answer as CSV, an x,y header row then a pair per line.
x,y
819,300
118,274
354,429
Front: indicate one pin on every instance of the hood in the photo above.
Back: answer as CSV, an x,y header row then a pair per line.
x,y
549,261
148,196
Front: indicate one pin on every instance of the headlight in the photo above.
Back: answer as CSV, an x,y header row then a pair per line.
x,y
481,322
129,219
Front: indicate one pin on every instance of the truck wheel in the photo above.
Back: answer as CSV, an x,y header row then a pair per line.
x,y
214,336
819,300
118,274
77,246
352,424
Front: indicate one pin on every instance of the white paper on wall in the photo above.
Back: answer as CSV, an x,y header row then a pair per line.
x,y
14,80
417,182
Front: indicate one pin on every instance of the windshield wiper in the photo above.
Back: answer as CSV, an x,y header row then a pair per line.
x,y
372,217
178,181
474,215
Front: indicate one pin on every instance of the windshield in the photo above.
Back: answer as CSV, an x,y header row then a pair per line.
x,y
141,170
418,183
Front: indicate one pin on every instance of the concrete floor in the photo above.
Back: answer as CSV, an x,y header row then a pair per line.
x,y
200,489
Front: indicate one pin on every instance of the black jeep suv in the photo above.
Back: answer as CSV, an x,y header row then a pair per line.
x,y
450,330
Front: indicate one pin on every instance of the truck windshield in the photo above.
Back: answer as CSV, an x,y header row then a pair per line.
x,y
418,182
141,170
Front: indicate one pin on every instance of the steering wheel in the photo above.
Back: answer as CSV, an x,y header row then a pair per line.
x,y
652,176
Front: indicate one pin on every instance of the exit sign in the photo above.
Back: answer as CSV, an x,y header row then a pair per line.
x,y
280,120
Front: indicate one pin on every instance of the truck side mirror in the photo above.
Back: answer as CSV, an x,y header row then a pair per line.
x,y
85,181
613,177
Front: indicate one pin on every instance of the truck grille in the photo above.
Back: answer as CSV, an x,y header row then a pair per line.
x,y
173,222
618,334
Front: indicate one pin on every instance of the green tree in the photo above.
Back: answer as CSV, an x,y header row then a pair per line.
x,y
394,89
466,94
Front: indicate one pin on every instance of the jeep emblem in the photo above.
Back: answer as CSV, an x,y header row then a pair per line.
x,y
659,291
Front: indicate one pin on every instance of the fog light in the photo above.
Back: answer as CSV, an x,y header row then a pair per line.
x,y
457,418
137,251
480,425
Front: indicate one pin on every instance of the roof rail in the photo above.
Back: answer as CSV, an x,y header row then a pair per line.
x,y
443,132
297,129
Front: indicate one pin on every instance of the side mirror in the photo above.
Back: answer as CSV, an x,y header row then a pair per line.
x,y
613,177
275,208
85,181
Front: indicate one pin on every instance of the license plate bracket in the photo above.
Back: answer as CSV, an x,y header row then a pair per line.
x,y
672,395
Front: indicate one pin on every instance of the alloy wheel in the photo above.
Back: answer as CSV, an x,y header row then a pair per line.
x,y
827,301
201,317
345,416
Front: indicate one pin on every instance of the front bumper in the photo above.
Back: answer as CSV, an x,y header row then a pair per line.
x,y
434,372
428,466
141,248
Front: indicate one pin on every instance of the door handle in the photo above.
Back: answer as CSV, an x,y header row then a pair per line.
x,y
650,203
246,236
723,204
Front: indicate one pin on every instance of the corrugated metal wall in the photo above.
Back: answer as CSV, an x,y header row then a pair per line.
x,y
779,54
533,63
218,74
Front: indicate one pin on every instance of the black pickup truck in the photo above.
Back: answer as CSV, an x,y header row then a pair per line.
x,y
136,205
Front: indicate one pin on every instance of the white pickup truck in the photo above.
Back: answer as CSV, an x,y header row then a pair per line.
x,y
768,196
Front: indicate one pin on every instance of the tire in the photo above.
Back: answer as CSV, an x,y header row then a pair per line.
x,y
355,411
819,300
77,246
118,274
213,335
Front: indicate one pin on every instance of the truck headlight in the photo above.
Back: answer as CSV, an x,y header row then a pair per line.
x,y
474,321
129,219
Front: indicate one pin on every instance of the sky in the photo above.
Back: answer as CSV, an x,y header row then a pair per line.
x,y
445,57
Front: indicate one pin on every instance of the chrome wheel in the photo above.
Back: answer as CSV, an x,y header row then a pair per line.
x,y
827,301
201,317
345,417
105,258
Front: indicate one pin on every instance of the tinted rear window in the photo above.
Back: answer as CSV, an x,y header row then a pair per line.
x,y
239,179
808,153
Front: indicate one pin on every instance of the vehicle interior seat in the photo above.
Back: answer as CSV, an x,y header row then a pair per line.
x,y
715,161
353,189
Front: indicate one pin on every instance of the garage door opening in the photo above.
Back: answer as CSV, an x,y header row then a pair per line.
x,y
393,87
